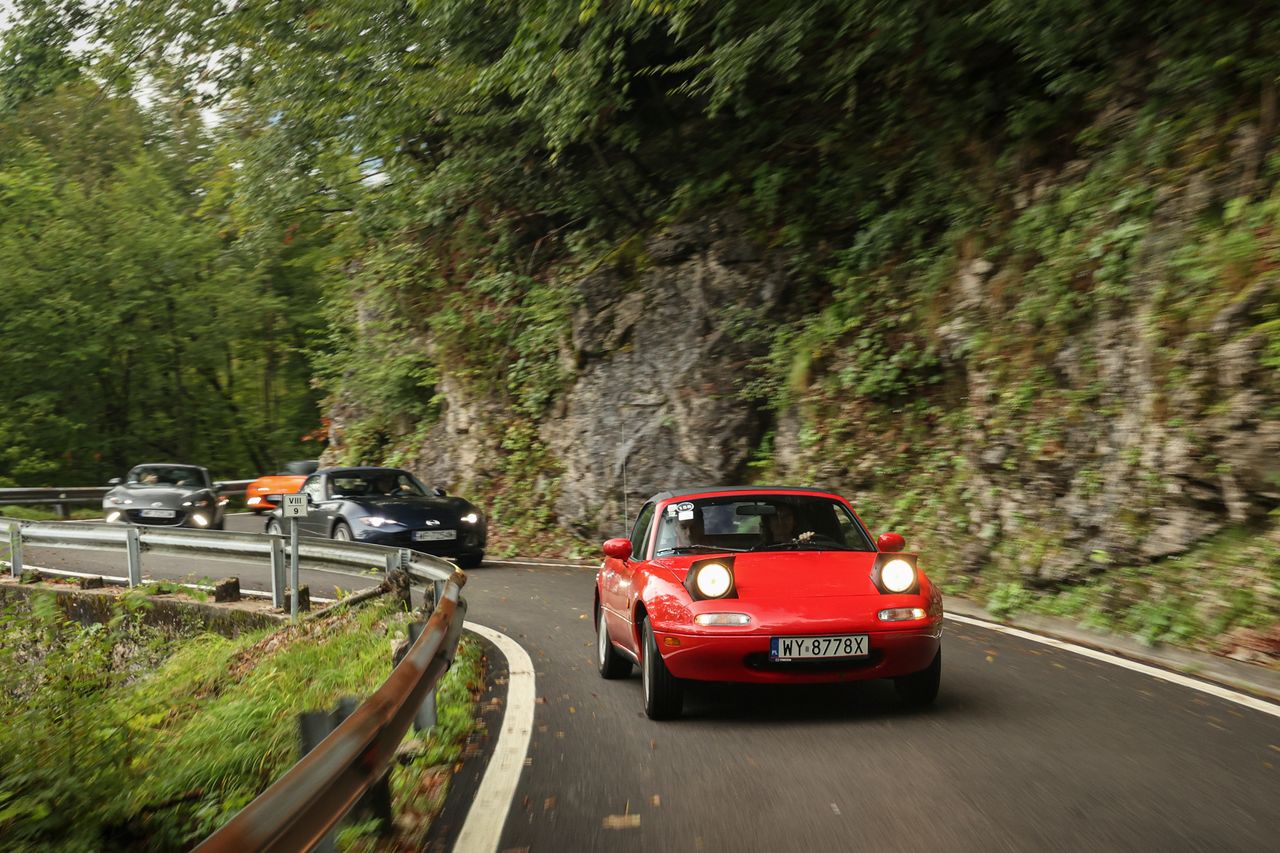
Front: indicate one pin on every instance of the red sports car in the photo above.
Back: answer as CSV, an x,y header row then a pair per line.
x,y
763,585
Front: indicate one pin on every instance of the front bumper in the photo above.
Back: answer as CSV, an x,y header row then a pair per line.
x,y
745,657
468,543
181,518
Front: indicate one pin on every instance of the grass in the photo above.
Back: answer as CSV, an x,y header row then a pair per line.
x,y
1229,583
163,759
39,513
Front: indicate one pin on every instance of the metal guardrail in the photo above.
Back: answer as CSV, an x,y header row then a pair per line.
x,y
298,810
62,497
303,805
136,541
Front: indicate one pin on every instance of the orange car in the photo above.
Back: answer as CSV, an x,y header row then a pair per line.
x,y
285,483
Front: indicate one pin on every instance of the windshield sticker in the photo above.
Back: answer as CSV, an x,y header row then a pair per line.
x,y
685,515
685,507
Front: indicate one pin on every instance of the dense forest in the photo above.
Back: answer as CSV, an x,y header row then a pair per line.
x,y
1005,272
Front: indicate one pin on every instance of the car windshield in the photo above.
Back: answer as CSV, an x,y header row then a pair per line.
x,y
354,484
759,522
166,475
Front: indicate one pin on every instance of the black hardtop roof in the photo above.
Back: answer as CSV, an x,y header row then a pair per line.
x,y
168,465
697,490
361,469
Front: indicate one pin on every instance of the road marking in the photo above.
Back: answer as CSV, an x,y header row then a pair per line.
x,y
482,829
532,563
1155,672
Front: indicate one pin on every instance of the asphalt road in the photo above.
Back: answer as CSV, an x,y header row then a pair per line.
x,y
1027,748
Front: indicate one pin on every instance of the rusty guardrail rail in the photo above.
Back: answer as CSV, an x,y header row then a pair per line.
x,y
297,811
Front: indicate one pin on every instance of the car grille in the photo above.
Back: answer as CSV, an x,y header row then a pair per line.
x,y
760,661
135,517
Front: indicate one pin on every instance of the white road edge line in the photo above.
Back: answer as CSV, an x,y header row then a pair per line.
x,y
482,829
533,563
1155,672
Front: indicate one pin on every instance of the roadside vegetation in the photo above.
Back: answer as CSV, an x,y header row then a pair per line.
x,y
121,736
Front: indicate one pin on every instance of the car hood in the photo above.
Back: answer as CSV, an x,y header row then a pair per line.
x,y
276,483
145,496
775,575
412,507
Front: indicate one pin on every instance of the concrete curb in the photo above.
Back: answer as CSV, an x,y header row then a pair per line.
x,y
1249,678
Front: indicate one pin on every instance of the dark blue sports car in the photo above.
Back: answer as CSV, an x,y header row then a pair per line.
x,y
389,506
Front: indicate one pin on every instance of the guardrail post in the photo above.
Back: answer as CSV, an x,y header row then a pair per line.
x,y
134,546
278,581
15,550
314,727
425,718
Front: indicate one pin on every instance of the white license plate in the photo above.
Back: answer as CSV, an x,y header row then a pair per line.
x,y
434,535
158,513
809,648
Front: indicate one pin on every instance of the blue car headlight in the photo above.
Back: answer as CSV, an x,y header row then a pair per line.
x,y
381,521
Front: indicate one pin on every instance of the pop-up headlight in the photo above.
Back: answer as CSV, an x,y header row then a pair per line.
x,y
708,579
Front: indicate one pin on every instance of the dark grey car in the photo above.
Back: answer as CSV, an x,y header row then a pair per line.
x,y
168,495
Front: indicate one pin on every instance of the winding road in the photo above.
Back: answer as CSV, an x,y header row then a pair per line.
x,y
1029,747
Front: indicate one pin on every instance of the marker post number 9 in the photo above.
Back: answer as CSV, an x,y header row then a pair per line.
x,y
294,506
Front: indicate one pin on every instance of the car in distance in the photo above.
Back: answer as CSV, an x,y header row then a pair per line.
x,y
166,494
389,506
286,482
767,586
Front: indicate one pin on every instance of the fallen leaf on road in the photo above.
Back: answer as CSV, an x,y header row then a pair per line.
x,y
582,616
572,710
653,744
541,700
560,735
655,801
548,804
991,658
622,821
542,729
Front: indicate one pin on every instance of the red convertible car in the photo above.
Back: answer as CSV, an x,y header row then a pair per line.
x,y
763,585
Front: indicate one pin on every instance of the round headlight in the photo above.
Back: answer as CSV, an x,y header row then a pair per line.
x,y
713,580
471,518
897,576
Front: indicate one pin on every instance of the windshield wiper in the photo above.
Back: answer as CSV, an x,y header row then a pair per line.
x,y
802,545
685,549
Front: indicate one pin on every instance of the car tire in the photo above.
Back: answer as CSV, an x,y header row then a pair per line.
x,y
663,692
919,689
612,665
471,561
274,528
342,532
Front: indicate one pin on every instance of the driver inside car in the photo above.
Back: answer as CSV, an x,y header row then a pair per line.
x,y
691,530
781,526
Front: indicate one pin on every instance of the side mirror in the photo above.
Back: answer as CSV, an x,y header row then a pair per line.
x,y
217,487
274,499
890,542
114,481
619,549
439,492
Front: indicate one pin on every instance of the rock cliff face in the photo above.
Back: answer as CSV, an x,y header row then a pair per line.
x,y
655,401
1147,443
